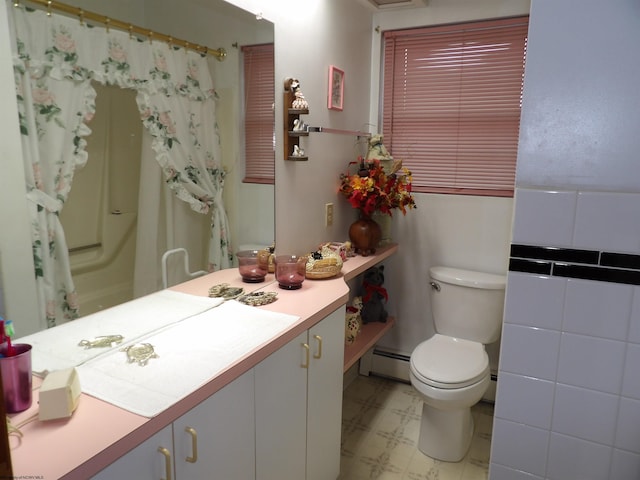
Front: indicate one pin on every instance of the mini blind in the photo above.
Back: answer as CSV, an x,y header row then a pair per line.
x,y
259,120
451,104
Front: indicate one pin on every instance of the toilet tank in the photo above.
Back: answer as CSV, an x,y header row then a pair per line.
x,y
467,304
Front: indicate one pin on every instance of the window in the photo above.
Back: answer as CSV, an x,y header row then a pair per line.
x,y
259,121
451,104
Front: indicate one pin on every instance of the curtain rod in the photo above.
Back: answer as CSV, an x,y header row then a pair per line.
x,y
219,53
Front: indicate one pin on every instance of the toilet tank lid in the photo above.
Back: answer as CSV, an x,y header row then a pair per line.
x,y
468,278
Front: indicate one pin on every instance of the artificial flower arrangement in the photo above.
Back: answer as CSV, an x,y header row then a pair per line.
x,y
371,189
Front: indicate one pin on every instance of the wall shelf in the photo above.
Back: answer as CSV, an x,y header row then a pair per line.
x,y
291,137
366,339
374,331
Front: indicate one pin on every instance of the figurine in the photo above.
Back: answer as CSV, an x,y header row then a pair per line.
x,y
353,321
373,310
299,125
377,150
299,103
105,341
297,151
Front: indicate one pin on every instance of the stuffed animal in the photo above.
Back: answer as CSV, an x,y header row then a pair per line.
x,y
373,309
353,322
377,150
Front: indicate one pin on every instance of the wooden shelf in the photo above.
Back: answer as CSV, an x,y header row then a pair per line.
x,y
367,338
354,266
291,137
371,332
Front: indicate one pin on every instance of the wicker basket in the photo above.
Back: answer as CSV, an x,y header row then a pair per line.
x,y
324,268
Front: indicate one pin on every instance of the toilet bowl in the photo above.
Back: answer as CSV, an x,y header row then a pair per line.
x,y
450,370
451,375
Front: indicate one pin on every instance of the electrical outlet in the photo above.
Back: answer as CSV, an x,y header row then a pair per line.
x,y
328,214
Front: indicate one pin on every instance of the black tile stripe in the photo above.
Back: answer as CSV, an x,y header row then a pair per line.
x,y
601,274
576,263
621,260
530,266
570,255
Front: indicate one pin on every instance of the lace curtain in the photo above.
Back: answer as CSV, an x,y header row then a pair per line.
x,y
54,62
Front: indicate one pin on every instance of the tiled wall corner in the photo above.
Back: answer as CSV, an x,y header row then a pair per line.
x,y
568,398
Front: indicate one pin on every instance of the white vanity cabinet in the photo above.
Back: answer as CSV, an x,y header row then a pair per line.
x,y
214,441
150,460
299,405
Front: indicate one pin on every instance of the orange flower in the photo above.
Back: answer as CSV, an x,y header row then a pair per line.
x,y
370,189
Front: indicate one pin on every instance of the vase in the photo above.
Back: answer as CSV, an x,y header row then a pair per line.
x,y
384,220
365,235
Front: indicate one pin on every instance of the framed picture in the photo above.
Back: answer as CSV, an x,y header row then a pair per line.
x,y
336,88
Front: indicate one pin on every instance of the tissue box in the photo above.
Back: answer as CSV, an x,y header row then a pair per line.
x,y
59,394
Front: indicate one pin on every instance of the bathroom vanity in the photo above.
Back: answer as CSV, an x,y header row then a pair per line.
x,y
272,413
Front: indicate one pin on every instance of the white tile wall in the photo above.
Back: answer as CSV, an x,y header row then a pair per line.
x,y
624,464
582,140
529,351
568,399
598,309
519,446
571,458
572,405
535,301
608,221
500,472
591,362
540,217
631,379
526,399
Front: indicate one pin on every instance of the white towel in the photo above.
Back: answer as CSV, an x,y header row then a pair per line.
x,y
57,348
190,353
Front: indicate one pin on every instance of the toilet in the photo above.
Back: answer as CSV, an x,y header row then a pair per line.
x,y
450,370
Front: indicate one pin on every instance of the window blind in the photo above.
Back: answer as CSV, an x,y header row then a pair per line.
x,y
451,104
259,121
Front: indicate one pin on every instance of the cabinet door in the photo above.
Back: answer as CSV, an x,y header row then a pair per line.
x,y
215,440
145,462
281,412
324,418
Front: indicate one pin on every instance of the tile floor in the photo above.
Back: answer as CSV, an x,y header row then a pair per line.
x,y
380,426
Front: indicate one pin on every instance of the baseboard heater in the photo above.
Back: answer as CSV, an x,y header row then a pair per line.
x,y
396,365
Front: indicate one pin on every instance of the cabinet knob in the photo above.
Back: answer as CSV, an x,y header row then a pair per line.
x,y
194,445
167,461
319,353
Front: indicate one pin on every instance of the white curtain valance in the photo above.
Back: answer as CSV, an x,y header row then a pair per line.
x,y
60,46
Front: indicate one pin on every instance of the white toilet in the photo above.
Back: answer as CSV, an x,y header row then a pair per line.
x,y
451,369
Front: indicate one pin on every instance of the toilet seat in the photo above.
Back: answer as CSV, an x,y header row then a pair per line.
x,y
448,362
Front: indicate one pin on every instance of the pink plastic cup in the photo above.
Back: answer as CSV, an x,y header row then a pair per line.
x,y
16,377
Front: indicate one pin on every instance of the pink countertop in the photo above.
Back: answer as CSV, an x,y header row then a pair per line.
x,y
99,433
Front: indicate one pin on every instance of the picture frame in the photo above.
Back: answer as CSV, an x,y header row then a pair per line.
x,y
336,88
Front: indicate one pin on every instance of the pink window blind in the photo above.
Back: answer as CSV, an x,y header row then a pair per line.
x,y
259,123
451,104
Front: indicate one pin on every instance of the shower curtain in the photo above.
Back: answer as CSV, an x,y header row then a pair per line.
x,y
55,59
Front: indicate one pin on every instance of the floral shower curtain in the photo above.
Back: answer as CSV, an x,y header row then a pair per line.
x,y
55,60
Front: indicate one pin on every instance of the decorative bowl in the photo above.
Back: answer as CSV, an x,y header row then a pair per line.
x,y
290,271
251,266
